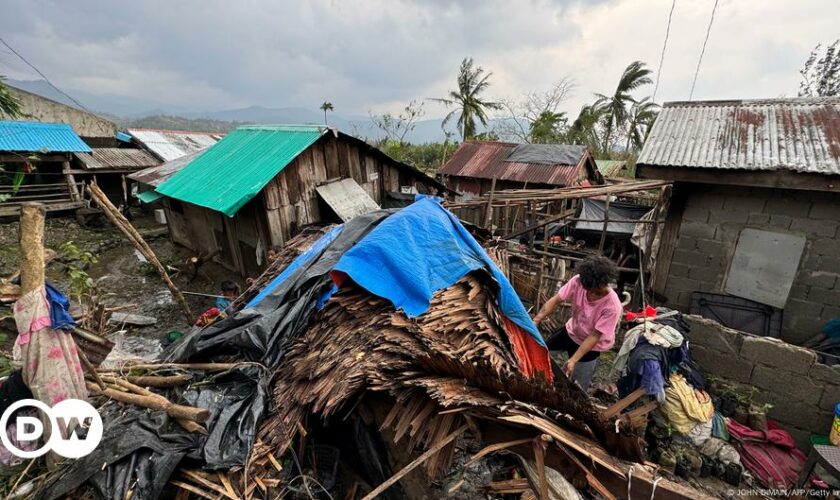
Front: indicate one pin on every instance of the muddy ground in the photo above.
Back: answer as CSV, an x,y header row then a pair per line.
x,y
120,273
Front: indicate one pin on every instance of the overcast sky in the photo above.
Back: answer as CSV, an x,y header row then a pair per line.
x,y
379,54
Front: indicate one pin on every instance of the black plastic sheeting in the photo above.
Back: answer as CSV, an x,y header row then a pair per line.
x,y
146,447
548,154
263,332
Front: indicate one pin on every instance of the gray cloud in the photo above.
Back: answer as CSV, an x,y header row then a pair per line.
x,y
376,54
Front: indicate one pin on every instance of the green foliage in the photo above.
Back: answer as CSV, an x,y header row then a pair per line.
x,y
615,107
427,158
821,75
549,127
146,269
467,99
77,262
9,104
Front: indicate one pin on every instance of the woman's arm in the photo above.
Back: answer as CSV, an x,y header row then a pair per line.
x,y
548,308
585,346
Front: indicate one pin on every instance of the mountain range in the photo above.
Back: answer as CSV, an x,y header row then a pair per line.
x,y
130,111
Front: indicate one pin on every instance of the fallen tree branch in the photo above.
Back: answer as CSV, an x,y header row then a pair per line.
x,y
131,233
156,402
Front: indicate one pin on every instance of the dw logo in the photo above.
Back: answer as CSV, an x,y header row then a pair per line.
x,y
70,418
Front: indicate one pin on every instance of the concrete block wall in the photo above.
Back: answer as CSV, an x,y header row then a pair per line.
x,y
712,221
803,392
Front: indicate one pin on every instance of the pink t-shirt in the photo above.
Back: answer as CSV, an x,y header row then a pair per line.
x,y
601,315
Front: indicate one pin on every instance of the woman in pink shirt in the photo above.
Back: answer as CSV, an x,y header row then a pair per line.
x,y
596,310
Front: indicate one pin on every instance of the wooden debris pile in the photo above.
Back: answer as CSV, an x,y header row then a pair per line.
x,y
451,367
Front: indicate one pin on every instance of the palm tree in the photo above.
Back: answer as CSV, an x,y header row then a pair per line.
x,y
547,127
472,82
615,106
641,117
327,106
584,130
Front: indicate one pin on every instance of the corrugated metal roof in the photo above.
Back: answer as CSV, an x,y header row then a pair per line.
x,y
229,174
155,176
616,169
40,137
171,144
802,135
488,159
117,159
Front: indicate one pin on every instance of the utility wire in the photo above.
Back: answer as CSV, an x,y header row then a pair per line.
x,y
44,76
703,51
662,56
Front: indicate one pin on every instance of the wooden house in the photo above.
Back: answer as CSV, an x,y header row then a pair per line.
x,y
259,185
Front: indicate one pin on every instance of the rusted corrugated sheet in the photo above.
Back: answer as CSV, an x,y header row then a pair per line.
x,y
171,144
801,135
129,159
486,160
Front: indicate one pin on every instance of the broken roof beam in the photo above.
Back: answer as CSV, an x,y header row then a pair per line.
x,y
522,196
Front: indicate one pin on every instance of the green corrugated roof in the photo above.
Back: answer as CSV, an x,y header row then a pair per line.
x,y
149,196
616,168
234,170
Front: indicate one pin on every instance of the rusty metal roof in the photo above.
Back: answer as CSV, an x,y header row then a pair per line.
x,y
800,135
170,144
129,159
488,160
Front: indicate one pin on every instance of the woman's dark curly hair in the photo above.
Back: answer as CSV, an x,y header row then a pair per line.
x,y
596,272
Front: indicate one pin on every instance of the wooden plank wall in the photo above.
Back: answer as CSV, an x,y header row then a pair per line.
x,y
290,199
288,202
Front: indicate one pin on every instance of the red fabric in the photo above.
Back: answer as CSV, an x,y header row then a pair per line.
x,y
649,312
771,456
208,317
531,356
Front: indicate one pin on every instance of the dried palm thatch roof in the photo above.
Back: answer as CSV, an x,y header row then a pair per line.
x,y
455,356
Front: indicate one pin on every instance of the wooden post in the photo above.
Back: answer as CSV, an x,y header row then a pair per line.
x,y
606,223
538,297
131,233
31,247
488,214
71,181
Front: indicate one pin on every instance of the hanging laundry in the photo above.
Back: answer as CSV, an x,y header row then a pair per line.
x,y
48,358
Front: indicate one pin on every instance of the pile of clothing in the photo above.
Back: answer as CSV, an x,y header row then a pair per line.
x,y
654,350
655,356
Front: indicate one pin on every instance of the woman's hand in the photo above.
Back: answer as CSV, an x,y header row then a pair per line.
x,y
569,367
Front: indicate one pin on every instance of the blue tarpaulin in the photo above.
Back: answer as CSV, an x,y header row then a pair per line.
x,y
60,317
419,250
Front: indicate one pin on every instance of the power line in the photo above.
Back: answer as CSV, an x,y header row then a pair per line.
x,y
44,76
703,51
662,56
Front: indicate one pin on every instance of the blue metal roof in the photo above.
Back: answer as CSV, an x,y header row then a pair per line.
x,y
40,138
122,136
